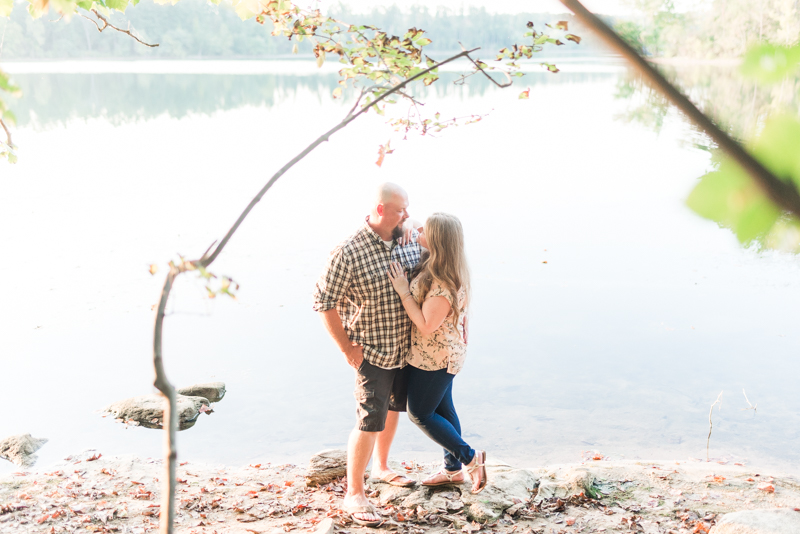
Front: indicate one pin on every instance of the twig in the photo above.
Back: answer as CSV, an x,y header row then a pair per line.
x,y
708,441
8,134
783,194
107,24
498,84
752,407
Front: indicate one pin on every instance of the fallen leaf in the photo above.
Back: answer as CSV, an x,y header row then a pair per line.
x,y
570,521
383,150
765,486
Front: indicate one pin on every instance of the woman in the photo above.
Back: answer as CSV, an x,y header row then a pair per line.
x,y
436,302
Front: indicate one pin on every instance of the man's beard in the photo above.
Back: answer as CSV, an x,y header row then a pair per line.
x,y
397,232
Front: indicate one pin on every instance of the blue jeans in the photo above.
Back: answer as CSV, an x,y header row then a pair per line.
x,y
430,407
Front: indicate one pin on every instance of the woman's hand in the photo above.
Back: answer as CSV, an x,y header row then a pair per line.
x,y
398,278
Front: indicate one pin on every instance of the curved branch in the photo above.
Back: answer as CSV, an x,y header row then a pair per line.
x,y
107,24
783,194
324,137
170,417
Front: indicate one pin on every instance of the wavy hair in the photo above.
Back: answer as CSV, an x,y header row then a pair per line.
x,y
445,262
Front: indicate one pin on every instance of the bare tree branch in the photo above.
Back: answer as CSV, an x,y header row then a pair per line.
x,y
8,134
107,24
161,382
170,418
781,193
498,84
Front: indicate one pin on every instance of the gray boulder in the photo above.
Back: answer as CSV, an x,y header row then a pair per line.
x,y
326,466
20,449
213,391
770,521
148,410
507,486
576,481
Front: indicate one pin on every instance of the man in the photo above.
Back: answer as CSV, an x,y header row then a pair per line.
x,y
365,317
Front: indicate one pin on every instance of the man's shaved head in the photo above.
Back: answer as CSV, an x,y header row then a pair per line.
x,y
387,191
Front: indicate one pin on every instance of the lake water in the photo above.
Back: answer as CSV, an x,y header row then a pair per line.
x,y
606,315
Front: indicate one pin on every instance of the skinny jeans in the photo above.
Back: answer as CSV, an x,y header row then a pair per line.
x,y
430,407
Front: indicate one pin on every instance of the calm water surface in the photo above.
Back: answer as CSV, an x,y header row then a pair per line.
x,y
606,315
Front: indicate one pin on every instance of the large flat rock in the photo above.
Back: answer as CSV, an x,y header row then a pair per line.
x,y
326,466
20,450
506,487
769,521
148,410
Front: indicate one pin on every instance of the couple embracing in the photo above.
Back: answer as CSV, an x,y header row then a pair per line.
x,y
406,341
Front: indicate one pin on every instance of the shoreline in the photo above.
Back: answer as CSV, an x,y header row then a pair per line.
x,y
121,494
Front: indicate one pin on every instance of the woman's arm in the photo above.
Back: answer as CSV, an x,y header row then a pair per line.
x,y
434,310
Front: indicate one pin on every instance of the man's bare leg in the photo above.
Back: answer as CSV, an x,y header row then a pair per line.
x,y
383,442
359,450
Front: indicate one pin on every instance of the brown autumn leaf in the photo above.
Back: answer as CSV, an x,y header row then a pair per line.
x,y
153,268
766,486
382,151
572,37
95,457
570,521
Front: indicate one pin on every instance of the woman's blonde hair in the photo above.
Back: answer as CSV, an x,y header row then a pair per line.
x,y
446,262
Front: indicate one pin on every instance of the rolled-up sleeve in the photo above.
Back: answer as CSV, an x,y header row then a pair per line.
x,y
334,282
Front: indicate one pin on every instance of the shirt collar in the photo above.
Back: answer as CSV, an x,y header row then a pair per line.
x,y
372,233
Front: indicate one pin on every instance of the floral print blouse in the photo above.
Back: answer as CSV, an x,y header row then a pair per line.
x,y
445,346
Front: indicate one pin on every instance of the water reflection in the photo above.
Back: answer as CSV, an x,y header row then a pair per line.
x,y
739,105
54,99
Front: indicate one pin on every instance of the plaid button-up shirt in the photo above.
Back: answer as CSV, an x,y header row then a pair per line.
x,y
355,283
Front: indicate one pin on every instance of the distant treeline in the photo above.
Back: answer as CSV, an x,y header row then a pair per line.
x,y
720,28
197,29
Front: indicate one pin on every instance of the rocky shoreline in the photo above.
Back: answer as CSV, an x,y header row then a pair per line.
x,y
94,493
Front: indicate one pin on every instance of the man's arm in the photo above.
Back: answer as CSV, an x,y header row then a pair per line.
x,y
353,352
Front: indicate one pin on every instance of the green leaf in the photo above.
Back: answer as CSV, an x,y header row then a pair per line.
x,y
778,147
7,85
552,68
5,7
9,118
119,5
730,198
769,63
